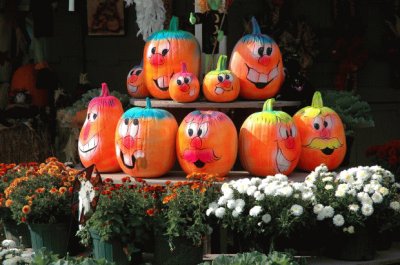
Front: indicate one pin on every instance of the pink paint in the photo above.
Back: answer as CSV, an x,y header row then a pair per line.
x,y
226,84
325,133
264,60
184,87
156,59
196,142
129,142
290,143
204,155
86,131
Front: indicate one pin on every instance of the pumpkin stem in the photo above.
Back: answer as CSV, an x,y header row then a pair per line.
x,y
269,105
148,103
174,24
183,67
221,65
256,27
317,101
104,90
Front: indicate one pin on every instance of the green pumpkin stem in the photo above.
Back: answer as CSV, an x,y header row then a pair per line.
x,y
221,65
104,90
256,27
269,105
183,67
317,101
148,103
174,24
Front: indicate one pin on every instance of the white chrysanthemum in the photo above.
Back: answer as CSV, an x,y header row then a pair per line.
x,y
255,181
240,203
281,177
235,214
220,212
286,191
222,200
321,216
270,190
318,208
377,177
231,204
213,205
297,186
343,186
258,195
377,197
397,185
368,188
340,193
209,211
354,207
266,218
327,179
367,209
310,179
307,195
338,220
349,229
328,187
364,198
242,187
384,191
255,211
328,211
346,176
352,192
251,190
296,210
395,205
238,209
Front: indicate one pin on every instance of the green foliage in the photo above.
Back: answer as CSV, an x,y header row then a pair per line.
x,y
354,112
255,258
44,257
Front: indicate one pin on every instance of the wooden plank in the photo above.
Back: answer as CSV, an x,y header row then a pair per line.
x,y
159,103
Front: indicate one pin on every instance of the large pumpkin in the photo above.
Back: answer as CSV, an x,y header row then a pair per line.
x,y
163,53
184,86
206,143
96,139
269,142
257,61
135,83
221,85
145,141
322,135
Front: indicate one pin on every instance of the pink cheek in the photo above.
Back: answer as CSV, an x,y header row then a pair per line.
x,y
86,131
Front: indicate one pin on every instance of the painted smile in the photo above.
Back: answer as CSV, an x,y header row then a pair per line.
x,y
327,146
129,161
281,162
163,82
221,90
88,149
132,89
261,80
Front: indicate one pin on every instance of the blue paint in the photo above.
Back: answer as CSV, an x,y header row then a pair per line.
x,y
143,113
168,34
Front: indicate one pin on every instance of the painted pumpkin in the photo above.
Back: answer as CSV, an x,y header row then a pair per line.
x,y
322,135
269,142
257,61
184,86
96,139
221,85
135,83
145,141
206,143
163,53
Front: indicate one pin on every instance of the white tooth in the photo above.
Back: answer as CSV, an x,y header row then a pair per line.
x,y
91,143
127,160
85,147
263,78
132,89
282,163
138,154
117,150
191,92
274,73
253,75
219,90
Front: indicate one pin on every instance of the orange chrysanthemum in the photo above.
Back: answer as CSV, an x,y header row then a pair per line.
x,y
26,209
9,203
53,190
62,190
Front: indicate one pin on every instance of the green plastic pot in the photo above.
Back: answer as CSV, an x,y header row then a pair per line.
x,y
109,250
54,237
16,232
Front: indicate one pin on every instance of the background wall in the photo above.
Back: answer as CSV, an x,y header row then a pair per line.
x,y
108,59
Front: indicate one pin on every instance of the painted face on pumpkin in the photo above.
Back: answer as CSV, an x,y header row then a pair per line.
x,y
287,152
129,146
134,80
158,56
184,84
89,140
224,83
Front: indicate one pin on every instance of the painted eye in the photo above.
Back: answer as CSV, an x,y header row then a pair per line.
x,y
260,51
138,72
134,128
202,130
317,123
88,116
131,73
94,116
221,78
180,80
164,52
163,47
328,122
268,51
192,130
187,80
123,127
293,131
228,77
283,132
153,50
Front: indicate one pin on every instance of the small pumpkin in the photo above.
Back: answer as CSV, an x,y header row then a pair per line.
x,y
184,86
269,142
207,143
257,61
145,141
162,56
135,83
221,85
96,139
322,135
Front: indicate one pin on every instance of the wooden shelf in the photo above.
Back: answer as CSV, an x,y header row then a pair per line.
x,y
160,103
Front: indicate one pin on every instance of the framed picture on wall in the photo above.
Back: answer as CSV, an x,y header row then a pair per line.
x,y
105,17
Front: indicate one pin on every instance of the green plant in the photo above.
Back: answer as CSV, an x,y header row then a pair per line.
x,y
255,258
354,112
44,257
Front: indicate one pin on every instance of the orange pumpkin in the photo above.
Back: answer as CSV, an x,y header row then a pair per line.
x,y
322,135
163,53
269,142
257,61
145,141
184,86
207,143
96,139
221,85
135,83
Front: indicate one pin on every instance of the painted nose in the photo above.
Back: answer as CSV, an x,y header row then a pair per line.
x,y
289,143
133,78
86,131
226,84
325,133
157,59
184,87
196,143
264,60
128,142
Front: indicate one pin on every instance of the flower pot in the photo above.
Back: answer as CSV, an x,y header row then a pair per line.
x,y
352,247
383,240
54,237
109,250
16,232
184,252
